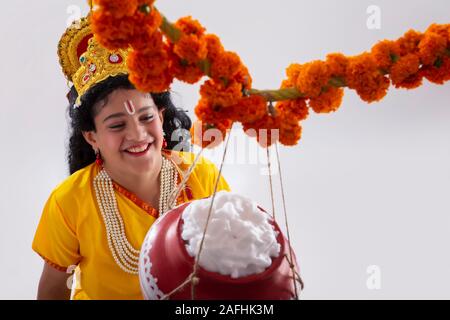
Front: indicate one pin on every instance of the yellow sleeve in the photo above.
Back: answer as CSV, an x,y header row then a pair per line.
x,y
55,239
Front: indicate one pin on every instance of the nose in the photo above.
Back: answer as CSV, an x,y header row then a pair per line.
x,y
136,131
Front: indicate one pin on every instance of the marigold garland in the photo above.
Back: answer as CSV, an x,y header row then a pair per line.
x,y
438,73
311,78
225,66
431,47
182,69
149,71
337,65
119,8
328,101
221,94
114,29
386,54
214,46
366,79
247,109
189,53
266,129
192,45
290,131
409,42
405,70
294,109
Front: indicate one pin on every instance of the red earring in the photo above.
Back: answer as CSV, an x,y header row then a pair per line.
x,y
98,158
164,145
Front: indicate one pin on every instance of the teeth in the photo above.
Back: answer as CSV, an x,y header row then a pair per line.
x,y
137,149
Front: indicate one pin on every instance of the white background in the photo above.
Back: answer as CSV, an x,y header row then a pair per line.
x,y
367,185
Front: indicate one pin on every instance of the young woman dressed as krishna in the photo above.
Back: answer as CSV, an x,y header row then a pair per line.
x,y
122,172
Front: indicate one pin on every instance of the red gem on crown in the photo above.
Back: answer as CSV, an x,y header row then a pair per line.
x,y
115,58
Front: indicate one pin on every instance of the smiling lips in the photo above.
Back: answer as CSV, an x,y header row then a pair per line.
x,y
138,150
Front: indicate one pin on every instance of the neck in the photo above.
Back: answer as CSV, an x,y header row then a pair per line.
x,y
145,185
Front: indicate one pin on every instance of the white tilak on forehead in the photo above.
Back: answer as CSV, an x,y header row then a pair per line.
x,y
129,107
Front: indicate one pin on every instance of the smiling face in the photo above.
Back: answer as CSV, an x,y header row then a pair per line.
x,y
129,133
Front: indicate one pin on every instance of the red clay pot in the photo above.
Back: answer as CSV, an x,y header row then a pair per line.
x,y
165,264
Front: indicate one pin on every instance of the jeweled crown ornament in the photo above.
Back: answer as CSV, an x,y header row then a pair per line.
x,y
84,61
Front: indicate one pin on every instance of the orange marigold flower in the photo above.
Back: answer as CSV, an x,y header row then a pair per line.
x,y
190,26
189,73
146,41
220,60
151,83
266,129
149,71
144,62
364,76
108,32
115,33
409,42
248,109
221,95
192,45
295,109
292,73
150,20
203,110
208,118
337,64
243,77
328,101
214,46
385,53
286,83
118,8
226,66
404,68
442,29
313,76
290,131
191,48
431,48
269,129
439,72
411,82
207,112
182,70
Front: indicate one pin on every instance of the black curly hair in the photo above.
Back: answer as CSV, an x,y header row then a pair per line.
x,y
80,154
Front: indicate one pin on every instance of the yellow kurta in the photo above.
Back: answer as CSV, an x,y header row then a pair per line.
x,y
72,233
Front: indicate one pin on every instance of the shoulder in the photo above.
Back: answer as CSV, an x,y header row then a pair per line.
x,y
75,187
67,201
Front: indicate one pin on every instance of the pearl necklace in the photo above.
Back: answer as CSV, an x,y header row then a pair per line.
x,y
124,254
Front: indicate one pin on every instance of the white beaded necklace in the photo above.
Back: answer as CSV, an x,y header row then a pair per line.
x,y
127,257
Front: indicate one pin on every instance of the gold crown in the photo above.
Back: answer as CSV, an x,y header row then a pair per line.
x,y
84,61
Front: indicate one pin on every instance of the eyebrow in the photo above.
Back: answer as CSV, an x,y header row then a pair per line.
x,y
121,114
